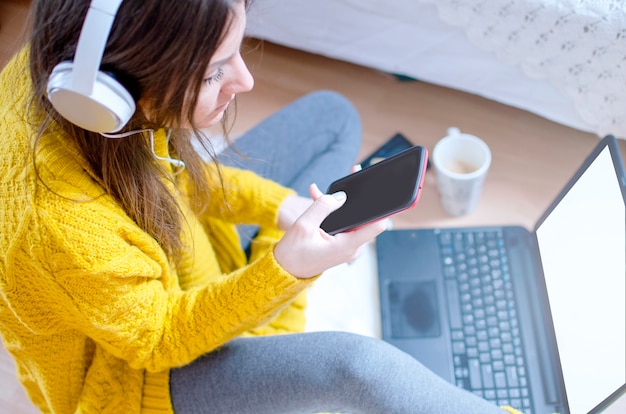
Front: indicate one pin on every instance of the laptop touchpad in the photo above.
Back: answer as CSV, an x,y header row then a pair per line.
x,y
414,309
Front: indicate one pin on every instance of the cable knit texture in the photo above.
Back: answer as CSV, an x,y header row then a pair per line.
x,y
91,309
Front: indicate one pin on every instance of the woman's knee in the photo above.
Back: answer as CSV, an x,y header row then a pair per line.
x,y
339,112
360,356
334,101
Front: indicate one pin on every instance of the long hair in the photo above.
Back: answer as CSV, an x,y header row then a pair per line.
x,y
160,49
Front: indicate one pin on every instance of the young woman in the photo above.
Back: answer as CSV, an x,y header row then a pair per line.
x,y
135,275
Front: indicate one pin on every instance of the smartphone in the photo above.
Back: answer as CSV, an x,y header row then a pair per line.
x,y
378,191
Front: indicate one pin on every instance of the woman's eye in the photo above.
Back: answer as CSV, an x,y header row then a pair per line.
x,y
215,77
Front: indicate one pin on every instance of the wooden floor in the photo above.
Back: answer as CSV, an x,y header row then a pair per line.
x,y
532,157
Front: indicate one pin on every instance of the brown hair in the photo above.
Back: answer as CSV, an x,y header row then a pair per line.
x,y
163,48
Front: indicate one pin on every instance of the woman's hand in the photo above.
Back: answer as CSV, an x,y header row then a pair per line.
x,y
292,208
306,250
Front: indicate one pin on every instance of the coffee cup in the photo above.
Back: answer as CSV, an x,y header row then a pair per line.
x,y
461,164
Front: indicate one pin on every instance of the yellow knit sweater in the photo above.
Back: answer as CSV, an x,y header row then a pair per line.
x,y
91,309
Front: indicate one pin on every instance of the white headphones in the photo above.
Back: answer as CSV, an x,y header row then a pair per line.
x,y
78,90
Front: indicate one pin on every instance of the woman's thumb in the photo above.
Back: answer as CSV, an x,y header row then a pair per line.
x,y
323,206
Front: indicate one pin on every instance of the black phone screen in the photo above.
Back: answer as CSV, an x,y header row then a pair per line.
x,y
377,191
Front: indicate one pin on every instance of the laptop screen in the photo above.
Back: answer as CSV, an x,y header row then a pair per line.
x,y
582,242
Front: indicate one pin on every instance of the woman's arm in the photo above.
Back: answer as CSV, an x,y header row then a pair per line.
x,y
242,197
98,275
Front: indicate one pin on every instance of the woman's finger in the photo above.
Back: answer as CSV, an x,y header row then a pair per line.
x,y
365,233
356,168
315,192
323,205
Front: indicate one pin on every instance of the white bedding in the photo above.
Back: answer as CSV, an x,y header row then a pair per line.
x,y
561,59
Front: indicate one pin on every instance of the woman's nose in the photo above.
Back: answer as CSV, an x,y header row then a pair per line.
x,y
241,81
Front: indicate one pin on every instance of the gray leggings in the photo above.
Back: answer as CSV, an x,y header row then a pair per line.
x,y
315,139
315,372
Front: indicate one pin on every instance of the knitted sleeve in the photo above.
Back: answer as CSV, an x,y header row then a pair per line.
x,y
240,196
511,410
85,267
291,318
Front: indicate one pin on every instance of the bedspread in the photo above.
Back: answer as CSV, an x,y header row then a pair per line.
x,y
578,45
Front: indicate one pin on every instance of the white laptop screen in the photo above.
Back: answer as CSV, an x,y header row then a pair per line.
x,y
583,249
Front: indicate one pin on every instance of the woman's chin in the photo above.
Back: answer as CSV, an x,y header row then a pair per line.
x,y
212,121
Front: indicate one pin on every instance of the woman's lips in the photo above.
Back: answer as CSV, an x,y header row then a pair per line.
x,y
222,107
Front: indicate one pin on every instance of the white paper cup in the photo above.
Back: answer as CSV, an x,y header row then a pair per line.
x,y
461,163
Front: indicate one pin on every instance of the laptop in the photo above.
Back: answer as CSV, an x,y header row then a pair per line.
x,y
531,319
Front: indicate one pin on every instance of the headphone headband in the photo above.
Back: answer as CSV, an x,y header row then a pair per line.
x,y
91,43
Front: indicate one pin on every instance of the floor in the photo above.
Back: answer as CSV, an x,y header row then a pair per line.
x,y
532,157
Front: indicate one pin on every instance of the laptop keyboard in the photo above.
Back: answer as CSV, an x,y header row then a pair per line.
x,y
488,356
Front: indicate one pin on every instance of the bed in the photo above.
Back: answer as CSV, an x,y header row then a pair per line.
x,y
564,60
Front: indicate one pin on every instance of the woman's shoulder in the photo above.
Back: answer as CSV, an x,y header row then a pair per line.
x,y
15,83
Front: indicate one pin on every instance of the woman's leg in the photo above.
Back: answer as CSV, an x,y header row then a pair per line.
x,y
315,372
315,139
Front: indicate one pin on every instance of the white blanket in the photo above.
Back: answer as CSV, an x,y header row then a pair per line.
x,y
561,59
579,46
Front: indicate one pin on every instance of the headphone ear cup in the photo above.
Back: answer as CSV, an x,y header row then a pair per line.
x,y
107,108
